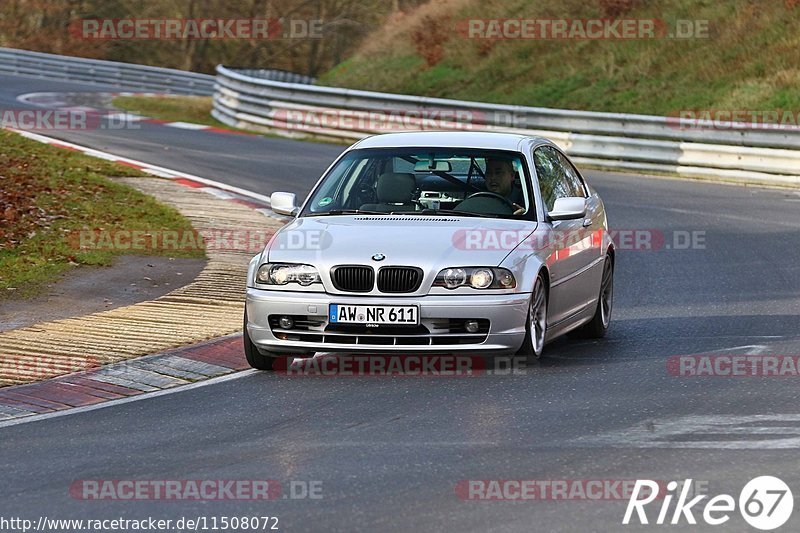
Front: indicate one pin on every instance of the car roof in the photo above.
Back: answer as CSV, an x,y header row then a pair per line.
x,y
450,139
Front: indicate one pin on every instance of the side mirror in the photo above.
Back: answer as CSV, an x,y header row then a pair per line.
x,y
283,203
568,209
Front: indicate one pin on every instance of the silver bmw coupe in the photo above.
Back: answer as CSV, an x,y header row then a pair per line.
x,y
464,242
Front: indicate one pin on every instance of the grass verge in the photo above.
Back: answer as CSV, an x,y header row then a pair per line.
x,y
48,194
194,109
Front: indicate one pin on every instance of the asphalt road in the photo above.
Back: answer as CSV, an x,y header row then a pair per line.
x,y
390,451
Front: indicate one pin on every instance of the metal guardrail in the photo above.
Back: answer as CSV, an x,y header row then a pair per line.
x,y
127,76
276,75
610,140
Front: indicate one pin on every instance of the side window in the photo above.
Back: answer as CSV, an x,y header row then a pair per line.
x,y
550,174
557,177
572,176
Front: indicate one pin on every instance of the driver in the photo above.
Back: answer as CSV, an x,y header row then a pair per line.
x,y
500,176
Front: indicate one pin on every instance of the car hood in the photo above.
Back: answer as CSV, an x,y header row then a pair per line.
x,y
427,242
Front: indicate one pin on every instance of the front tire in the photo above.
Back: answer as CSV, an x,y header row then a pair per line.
x,y
536,325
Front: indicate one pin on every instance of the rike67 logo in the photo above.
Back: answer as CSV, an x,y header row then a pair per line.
x,y
765,503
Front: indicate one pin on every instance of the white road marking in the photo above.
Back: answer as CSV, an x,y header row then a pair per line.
x,y
79,109
754,219
187,125
216,192
160,174
26,98
120,401
127,117
392,443
752,349
691,432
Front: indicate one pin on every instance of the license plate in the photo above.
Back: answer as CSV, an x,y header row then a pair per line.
x,y
373,314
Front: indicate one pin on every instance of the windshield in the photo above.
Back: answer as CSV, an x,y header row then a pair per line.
x,y
429,181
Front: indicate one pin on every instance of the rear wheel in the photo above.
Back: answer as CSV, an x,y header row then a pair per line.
x,y
598,326
259,360
536,326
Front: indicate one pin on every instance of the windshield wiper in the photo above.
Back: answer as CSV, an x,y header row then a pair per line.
x,y
409,213
457,213
348,212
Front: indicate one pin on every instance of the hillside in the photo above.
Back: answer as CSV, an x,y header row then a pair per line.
x,y
750,59
306,37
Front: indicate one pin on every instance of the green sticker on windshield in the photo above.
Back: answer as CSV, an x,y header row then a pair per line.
x,y
325,201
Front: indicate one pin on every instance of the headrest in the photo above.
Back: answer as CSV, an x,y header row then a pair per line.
x,y
395,187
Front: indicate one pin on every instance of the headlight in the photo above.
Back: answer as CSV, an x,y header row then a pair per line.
x,y
475,277
481,278
282,274
454,277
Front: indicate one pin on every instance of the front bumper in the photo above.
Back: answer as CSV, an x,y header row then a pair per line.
x,y
506,313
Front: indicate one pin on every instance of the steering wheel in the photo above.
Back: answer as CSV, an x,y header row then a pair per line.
x,y
488,194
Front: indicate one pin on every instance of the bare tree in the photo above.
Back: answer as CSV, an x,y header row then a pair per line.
x,y
49,26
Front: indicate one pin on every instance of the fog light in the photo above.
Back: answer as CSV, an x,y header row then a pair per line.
x,y
471,326
286,322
